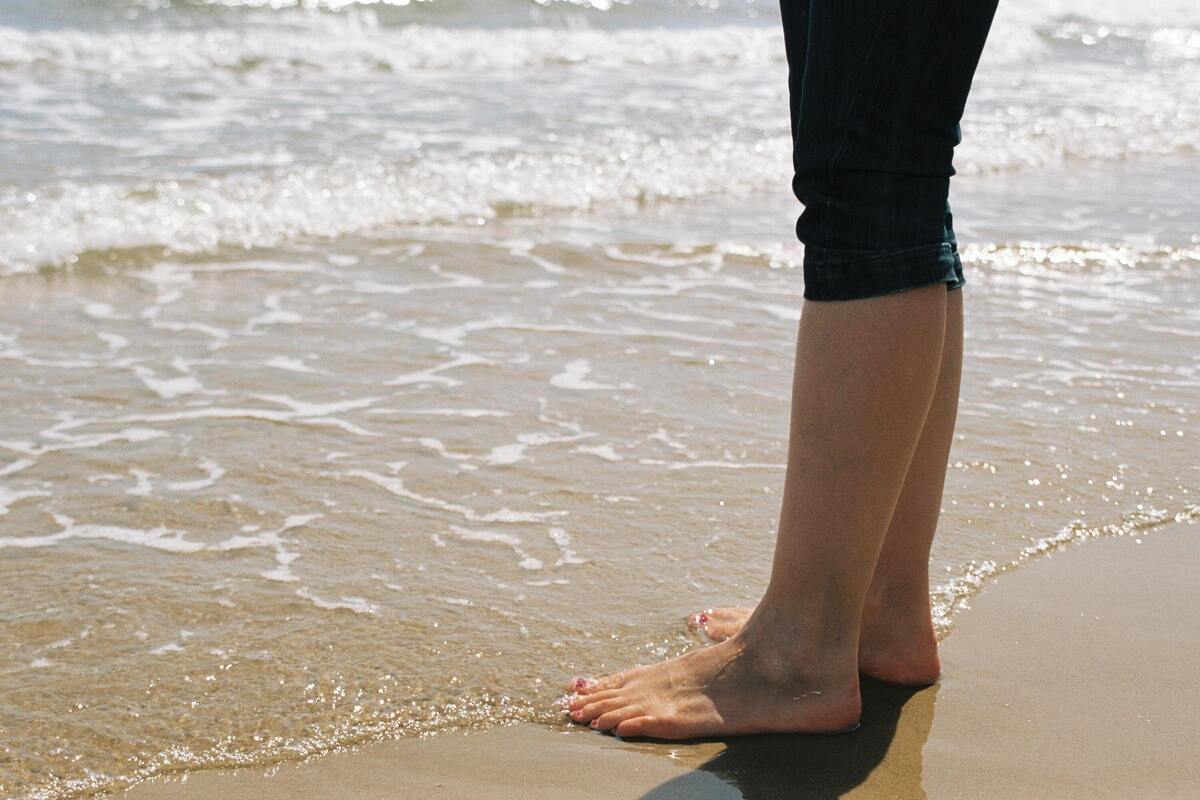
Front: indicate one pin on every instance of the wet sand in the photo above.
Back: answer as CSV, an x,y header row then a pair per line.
x,y
1070,677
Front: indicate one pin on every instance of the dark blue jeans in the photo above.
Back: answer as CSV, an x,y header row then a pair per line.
x,y
877,91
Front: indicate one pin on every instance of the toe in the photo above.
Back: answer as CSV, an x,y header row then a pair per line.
x,y
579,701
610,682
697,622
593,710
633,727
717,624
579,685
611,719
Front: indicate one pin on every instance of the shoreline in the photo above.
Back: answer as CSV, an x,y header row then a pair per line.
x,y
1069,677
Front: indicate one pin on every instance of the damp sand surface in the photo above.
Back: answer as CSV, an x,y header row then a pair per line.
x,y
335,391
1068,679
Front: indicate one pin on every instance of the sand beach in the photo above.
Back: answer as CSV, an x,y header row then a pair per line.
x,y
1066,679
349,349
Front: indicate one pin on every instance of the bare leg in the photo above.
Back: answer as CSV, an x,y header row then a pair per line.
x,y
899,643
896,640
866,371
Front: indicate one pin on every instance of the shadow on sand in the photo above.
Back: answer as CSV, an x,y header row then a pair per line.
x,y
882,758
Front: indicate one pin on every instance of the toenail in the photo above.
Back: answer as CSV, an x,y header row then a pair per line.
x,y
703,618
594,723
581,683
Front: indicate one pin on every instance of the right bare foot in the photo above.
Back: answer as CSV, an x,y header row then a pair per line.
x,y
895,645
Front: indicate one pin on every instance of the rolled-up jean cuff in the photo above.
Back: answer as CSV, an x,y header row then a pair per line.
x,y
857,274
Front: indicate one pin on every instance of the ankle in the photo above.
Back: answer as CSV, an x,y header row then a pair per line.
x,y
791,640
903,603
898,643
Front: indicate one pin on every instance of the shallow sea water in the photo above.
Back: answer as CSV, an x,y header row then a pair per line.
x,y
370,372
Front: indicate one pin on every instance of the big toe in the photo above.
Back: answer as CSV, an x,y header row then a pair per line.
x,y
579,685
718,624
588,686
698,622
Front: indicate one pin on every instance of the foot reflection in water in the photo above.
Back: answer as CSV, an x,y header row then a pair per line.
x,y
881,759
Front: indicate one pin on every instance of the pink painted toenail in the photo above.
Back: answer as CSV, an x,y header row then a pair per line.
x,y
703,618
581,683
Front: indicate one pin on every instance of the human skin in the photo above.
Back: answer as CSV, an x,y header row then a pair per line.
x,y
874,394
897,642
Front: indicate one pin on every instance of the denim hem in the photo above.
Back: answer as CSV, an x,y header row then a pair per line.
x,y
858,274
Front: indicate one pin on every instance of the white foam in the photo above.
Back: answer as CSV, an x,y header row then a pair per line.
x,y
437,446
302,408
17,354
213,473
173,541
467,534
302,414
455,335
396,486
219,335
290,364
512,453
101,311
288,52
523,250
604,451
574,376
567,556
432,374
15,466
375,287
85,441
10,497
160,538
503,454
264,208
458,412
947,599
114,341
661,435
167,388
273,539
144,486
274,315
356,604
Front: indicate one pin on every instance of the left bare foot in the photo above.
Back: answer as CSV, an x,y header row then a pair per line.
x,y
896,639
719,624
740,686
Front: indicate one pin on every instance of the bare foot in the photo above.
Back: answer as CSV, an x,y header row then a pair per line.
x,y
734,687
896,644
